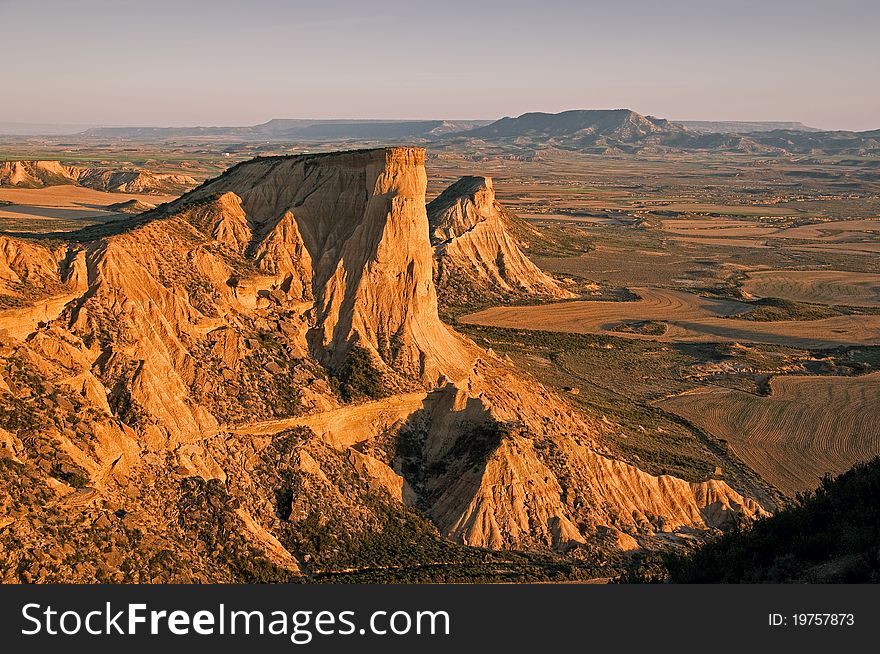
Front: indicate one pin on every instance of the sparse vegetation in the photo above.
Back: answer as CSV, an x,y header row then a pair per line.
x,y
359,378
645,327
688,231
773,309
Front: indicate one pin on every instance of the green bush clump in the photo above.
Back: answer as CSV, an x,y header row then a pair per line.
x,y
359,378
831,534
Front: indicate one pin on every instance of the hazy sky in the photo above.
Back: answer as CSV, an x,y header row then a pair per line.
x,y
164,62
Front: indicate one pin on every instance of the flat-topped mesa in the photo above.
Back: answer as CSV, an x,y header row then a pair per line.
x,y
174,328
472,243
361,219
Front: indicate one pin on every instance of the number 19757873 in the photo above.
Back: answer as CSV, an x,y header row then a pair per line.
x,y
811,620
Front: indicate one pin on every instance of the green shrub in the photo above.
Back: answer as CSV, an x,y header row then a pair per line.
x,y
359,378
831,534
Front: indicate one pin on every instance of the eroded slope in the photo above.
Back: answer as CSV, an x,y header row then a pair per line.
x,y
285,294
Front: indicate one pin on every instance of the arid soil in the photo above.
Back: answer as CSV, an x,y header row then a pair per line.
x,y
688,318
500,362
62,208
806,427
257,376
833,287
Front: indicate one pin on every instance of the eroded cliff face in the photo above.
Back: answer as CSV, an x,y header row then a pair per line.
x,y
502,462
37,174
362,222
176,378
476,255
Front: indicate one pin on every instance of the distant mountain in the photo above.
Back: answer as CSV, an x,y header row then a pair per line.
x,y
620,124
364,129
610,131
797,142
38,129
593,131
743,126
150,133
295,129
604,131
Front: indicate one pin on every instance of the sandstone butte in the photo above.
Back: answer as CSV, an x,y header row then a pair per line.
x,y
473,244
178,343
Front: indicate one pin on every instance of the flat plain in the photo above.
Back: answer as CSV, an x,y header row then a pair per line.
x,y
697,249
61,208
833,287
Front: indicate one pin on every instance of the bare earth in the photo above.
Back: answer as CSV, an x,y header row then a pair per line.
x,y
808,425
690,318
837,231
833,287
345,426
59,208
717,227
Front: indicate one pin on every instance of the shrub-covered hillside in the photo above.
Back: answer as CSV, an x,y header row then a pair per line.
x,y
829,535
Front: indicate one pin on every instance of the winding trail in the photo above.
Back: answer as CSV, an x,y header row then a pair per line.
x,y
348,425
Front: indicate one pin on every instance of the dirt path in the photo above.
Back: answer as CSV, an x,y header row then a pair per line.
x,y
348,425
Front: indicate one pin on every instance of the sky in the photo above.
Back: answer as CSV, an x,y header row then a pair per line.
x,y
242,62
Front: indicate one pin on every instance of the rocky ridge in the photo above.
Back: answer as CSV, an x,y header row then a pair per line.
x,y
132,207
477,259
38,174
286,290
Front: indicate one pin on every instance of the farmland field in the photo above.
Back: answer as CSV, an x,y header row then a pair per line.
x,y
61,208
671,256
688,318
832,287
701,262
807,427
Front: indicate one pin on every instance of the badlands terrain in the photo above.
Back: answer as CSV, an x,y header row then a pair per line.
x,y
547,348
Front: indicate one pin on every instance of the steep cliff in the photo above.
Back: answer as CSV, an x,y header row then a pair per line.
x,y
477,258
179,384
361,219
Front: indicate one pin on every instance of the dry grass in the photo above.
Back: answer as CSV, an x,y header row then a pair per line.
x,y
723,242
836,231
689,318
871,249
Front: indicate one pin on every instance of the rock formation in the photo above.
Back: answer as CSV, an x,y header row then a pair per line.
x,y
477,258
132,207
360,216
37,174
168,393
